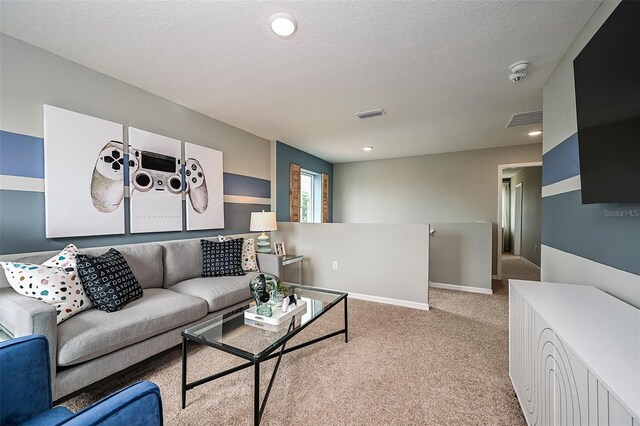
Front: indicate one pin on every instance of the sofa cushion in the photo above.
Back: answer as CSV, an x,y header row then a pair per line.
x,y
145,261
182,261
94,333
219,292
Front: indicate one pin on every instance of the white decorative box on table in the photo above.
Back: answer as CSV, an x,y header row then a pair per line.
x,y
278,317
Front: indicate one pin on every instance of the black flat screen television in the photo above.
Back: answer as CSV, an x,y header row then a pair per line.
x,y
607,83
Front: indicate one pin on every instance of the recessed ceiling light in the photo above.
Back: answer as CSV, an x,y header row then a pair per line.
x,y
535,133
367,148
283,25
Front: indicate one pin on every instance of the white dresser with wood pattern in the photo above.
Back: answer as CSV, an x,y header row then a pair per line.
x,y
574,355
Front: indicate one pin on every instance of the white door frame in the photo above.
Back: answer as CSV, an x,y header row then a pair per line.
x,y
517,216
501,168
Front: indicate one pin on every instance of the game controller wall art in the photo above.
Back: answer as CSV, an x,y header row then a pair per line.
x,y
72,142
203,185
155,182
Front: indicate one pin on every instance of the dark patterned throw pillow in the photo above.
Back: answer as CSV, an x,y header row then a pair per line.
x,y
222,259
108,280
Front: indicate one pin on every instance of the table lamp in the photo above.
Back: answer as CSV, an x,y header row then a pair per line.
x,y
262,222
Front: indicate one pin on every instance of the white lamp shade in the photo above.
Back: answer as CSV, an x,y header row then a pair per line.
x,y
263,221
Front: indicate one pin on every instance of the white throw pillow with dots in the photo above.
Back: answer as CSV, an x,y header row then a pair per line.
x,y
249,257
55,282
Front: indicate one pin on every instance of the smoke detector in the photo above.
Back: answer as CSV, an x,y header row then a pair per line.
x,y
518,71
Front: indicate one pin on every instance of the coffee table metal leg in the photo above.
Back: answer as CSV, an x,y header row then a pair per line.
x,y
184,372
346,322
256,394
258,408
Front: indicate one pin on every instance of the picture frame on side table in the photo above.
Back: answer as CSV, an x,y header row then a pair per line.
x,y
278,248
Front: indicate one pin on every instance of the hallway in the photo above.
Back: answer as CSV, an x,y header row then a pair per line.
x,y
513,267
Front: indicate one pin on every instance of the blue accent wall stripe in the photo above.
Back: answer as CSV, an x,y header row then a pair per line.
x,y
23,226
604,233
562,162
246,185
21,155
22,213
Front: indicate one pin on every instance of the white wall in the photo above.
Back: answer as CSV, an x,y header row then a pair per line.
x,y
385,262
451,187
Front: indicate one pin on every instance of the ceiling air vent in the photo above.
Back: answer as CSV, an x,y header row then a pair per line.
x,y
370,114
524,118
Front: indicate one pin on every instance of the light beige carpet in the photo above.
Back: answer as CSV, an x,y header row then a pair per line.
x,y
448,366
514,267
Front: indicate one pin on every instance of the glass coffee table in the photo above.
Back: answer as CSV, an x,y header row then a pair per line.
x,y
256,342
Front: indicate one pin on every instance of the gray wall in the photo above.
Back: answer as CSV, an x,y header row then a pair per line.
x,y
388,261
460,254
31,77
531,179
590,244
451,187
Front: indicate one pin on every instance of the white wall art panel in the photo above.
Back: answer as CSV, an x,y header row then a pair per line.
x,y
84,174
205,197
155,182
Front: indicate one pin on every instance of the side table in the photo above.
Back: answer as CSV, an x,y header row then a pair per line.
x,y
290,259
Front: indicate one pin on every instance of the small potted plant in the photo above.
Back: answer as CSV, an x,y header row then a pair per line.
x,y
277,291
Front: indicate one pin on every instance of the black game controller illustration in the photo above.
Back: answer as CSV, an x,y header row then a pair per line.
x,y
148,170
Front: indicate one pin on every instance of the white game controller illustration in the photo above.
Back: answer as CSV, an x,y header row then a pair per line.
x,y
107,190
289,302
155,171
148,170
196,185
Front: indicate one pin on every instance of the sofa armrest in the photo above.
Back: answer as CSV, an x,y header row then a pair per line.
x,y
270,264
21,316
138,404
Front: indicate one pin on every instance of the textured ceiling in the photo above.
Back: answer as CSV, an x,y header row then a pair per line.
x,y
439,69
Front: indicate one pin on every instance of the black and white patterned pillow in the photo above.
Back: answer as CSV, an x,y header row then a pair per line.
x,y
222,259
108,280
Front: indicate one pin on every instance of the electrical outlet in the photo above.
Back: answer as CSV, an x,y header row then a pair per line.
x,y
334,264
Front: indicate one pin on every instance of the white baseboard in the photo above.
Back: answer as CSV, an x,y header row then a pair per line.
x,y
529,262
388,301
480,290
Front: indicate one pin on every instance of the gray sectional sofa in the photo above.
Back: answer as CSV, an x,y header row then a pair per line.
x,y
94,344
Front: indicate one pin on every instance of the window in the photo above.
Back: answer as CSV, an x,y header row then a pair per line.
x,y
307,196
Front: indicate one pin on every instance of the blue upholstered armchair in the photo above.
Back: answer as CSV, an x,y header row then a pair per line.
x,y
25,392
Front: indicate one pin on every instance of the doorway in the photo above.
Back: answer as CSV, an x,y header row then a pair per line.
x,y
519,200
